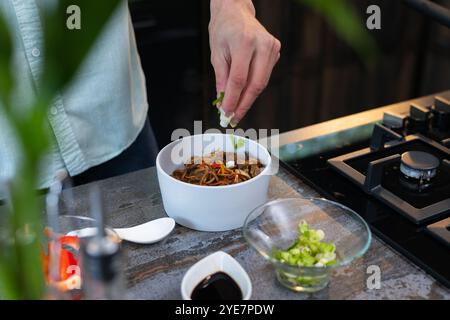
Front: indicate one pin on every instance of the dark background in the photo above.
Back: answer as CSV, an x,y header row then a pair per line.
x,y
317,78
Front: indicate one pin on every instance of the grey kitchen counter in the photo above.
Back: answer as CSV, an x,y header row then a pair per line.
x,y
155,271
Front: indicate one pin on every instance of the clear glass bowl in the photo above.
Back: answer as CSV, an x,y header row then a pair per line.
x,y
273,226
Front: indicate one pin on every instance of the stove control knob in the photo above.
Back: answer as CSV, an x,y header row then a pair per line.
x,y
394,121
441,113
418,120
419,113
442,104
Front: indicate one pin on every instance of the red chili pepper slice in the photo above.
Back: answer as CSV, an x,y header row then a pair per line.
x,y
71,241
67,262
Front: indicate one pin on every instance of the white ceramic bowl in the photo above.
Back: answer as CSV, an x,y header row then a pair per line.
x,y
216,262
210,208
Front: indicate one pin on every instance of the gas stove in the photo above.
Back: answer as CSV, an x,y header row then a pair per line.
x,y
392,166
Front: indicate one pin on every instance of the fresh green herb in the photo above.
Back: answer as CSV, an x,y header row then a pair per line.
x,y
308,249
219,99
237,143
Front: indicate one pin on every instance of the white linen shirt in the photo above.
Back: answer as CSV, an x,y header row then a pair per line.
x,y
99,115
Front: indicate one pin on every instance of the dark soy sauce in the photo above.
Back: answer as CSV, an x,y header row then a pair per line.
x,y
218,286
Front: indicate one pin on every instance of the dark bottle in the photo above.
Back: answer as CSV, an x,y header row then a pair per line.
x,y
103,277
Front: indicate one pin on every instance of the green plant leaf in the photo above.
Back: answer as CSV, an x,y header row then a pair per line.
x,y
21,273
9,286
347,24
6,79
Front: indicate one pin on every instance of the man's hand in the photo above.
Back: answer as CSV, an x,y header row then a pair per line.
x,y
243,54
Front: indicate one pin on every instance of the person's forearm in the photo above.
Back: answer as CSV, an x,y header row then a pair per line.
x,y
217,5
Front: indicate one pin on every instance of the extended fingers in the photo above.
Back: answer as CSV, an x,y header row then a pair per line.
x,y
237,80
221,70
265,58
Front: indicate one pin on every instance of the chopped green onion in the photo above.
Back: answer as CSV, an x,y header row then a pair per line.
x,y
308,249
219,99
237,143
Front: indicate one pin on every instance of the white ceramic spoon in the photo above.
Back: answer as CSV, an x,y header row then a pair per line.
x,y
146,233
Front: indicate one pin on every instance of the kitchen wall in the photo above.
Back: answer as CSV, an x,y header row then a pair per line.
x,y
318,76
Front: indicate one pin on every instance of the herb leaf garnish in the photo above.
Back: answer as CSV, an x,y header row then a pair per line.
x,y
219,99
237,143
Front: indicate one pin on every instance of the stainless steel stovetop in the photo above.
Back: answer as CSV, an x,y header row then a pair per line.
x,y
392,166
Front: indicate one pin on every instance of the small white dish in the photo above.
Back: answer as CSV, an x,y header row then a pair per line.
x,y
216,262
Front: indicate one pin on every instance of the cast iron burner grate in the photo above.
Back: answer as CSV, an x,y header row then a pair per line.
x,y
441,230
378,173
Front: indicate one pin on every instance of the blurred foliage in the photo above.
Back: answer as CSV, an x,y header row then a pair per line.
x,y
21,275
348,25
6,80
